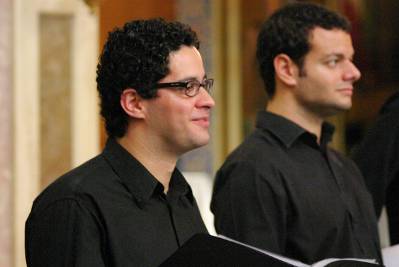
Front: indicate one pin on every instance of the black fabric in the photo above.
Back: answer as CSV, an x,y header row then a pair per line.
x,y
281,191
110,211
378,158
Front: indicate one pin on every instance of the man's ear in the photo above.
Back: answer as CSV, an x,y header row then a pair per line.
x,y
286,70
132,103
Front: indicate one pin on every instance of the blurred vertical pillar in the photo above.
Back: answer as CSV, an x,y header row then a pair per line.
x,y
233,73
5,133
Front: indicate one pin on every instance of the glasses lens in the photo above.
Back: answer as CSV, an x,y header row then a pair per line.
x,y
192,88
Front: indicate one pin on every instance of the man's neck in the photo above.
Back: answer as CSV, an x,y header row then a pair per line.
x,y
307,120
158,162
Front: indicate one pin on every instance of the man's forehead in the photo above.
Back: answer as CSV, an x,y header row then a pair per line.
x,y
330,41
182,48
327,33
186,63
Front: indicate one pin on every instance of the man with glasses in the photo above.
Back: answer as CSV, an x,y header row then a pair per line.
x,y
130,206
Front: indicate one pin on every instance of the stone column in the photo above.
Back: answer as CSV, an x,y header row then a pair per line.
x,y
5,132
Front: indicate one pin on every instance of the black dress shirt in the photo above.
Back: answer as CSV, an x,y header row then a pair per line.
x,y
110,211
282,191
378,159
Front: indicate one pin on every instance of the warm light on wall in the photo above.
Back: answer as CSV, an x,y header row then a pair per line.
x,y
93,4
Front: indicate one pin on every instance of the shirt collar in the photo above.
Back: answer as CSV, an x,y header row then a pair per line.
x,y
288,132
327,131
138,180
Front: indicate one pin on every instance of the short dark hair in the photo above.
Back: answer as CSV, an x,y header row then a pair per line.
x,y
287,32
136,56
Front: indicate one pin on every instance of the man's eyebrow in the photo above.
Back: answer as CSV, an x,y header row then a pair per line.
x,y
192,78
338,55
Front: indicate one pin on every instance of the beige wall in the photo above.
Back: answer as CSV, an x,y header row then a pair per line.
x,y
5,133
54,99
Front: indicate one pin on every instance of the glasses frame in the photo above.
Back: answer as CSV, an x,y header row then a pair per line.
x,y
207,84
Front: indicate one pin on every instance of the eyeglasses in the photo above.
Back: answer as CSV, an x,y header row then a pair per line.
x,y
190,88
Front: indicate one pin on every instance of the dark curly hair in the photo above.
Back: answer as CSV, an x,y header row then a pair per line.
x,y
287,32
136,56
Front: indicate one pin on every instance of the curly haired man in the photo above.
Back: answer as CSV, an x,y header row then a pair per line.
x,y
130,206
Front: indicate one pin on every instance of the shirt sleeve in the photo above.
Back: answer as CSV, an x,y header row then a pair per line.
x,y
251,207
63,234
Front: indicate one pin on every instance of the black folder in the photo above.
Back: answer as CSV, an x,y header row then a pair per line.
x,y
207,250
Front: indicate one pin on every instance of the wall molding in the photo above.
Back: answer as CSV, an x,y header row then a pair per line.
x,y
26,83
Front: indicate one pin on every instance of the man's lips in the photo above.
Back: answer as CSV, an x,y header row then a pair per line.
x,y
202,121
346,91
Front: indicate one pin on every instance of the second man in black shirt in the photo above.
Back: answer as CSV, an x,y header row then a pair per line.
x,y
283,189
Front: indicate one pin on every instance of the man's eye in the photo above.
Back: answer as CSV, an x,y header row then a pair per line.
x,y
191,85
332,62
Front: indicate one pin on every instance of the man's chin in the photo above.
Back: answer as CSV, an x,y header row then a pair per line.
x,y
202,140
345,107
195,143
335,110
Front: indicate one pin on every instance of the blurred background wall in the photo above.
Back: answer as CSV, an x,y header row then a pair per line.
x,y
48,103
